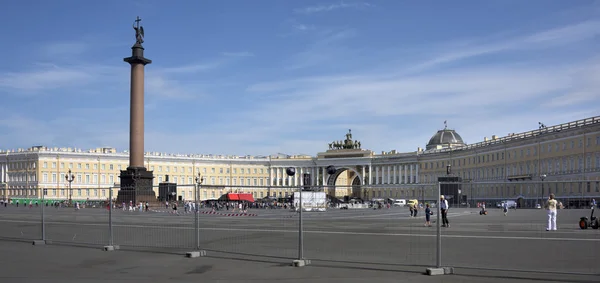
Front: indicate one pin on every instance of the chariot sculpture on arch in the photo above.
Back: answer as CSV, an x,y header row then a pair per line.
x,y
348,143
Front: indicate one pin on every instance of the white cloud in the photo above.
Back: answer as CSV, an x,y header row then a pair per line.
x,y
238,54
193,68
331,7
69,48
540,40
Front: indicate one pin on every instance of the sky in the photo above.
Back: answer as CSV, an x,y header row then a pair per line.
x,y
264,77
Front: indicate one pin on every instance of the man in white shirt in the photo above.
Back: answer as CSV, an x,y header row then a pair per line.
x,y
551,205
444,210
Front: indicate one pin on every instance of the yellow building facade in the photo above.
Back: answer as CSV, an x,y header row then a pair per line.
x,y
565,157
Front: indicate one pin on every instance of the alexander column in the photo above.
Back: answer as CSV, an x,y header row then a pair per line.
x,y
136,181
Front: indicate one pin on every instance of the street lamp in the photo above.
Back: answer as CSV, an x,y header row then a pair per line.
x,y
542,177
70,178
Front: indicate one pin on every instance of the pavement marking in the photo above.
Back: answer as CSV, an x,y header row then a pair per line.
x,y
324,232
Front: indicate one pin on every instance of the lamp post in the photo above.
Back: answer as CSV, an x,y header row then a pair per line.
x,y
70,178
199,181
542,177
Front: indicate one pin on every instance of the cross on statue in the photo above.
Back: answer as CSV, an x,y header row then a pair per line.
x,y
139,31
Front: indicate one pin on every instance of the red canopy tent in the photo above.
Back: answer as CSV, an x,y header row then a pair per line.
x,y
240,197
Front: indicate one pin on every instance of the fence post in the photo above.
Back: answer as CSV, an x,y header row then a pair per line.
x,y
438,258
197,252
43,222
438,269
196,214
43,216
111,246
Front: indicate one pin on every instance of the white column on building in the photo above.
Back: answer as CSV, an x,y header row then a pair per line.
x,y
412,177
323,176
300,173
315,176
405,174
370,175
376,175
281,176
393,174
297,176
389,175
363,176
417,174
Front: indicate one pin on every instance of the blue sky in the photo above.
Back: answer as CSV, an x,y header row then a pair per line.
x,y
262,77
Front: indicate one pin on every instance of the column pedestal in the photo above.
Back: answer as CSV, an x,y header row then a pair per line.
x,y
136,186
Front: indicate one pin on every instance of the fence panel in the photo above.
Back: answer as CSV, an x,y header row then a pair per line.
x,y
264,225
142,218
516,239
374,226
76,216
20,216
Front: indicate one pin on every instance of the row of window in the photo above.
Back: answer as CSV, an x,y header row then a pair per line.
x,y
167,169
512,154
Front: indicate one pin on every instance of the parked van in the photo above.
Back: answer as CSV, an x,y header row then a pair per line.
x,y
511,204
399,202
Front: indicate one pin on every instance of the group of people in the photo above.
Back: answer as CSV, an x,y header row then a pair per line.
x,y
551,206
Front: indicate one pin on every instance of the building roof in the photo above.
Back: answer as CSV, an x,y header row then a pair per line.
x,y
445,138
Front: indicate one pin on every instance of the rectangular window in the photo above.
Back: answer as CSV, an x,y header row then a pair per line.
x,y
87,166
53,164
103,166
53,177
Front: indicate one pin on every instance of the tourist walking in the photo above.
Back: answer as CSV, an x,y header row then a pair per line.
x,y
444,210
505,207
551,205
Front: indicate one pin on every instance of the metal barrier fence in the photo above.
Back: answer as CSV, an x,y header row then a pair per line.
x,y
353,224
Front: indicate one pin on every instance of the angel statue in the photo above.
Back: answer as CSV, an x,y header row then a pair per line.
x,y
139,32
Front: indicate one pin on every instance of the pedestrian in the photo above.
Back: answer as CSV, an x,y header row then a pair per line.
x,y
444,209
505,207
551,205
411,206
428,214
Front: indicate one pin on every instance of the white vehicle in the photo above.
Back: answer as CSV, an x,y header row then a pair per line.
x,y
311,201
399,202
511,204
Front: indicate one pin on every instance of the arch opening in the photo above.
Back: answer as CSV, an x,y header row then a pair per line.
x,y
344,183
